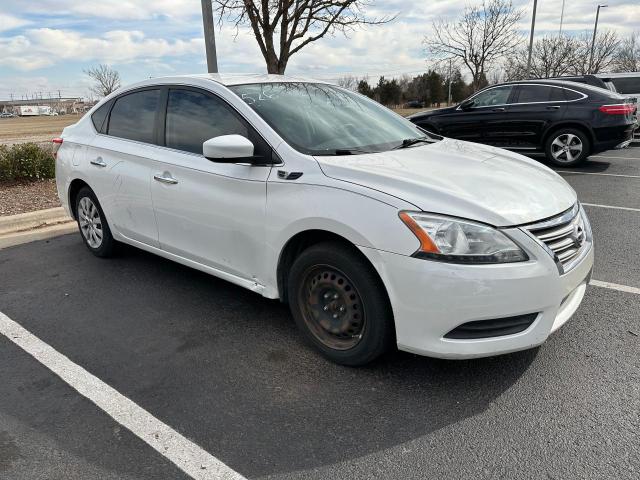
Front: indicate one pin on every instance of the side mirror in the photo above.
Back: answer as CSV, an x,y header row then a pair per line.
x,y
467,104
228,148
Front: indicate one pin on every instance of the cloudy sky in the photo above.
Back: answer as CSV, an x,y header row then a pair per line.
x,y
46,44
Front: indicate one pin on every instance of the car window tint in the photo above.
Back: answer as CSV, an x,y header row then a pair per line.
x,y
493,96
133,116
557,95
627,84
572,95
98,117
194,117
539,93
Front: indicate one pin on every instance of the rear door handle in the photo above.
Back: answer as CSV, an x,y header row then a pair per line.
x,y
553,107
98,162
165,178
497,109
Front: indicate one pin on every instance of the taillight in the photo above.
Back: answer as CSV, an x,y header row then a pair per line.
x,y
56,145
618,109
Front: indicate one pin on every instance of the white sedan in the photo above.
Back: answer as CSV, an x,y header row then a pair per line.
x,y
375,232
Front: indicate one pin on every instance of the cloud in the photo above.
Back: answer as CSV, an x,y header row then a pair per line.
x,y
9,22
43,47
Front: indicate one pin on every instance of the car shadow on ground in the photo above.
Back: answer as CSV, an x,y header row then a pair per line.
x,y
227,368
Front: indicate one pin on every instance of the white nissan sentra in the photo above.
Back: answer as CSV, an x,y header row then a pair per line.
x,y
374,231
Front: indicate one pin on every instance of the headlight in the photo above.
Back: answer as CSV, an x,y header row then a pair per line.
x,y
460,241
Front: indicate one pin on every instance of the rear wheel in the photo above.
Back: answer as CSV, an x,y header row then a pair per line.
x,y
93,224
567,147
340,304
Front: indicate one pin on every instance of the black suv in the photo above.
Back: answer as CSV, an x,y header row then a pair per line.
x,y
564,120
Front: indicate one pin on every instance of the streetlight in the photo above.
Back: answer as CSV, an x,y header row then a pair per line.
x,y
533,26
593,41
209,36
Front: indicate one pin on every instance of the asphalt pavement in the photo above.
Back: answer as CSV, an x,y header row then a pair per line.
x,y
227,370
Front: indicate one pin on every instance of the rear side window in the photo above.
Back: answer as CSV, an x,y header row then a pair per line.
x,y
572,95
194,117
133,116
540,93
100,115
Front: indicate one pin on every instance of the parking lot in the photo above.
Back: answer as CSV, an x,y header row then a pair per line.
x,y
228,375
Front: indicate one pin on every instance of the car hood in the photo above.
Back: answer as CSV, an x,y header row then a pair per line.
x,y
461,179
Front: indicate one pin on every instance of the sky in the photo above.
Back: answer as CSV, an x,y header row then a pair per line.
x,y
46,44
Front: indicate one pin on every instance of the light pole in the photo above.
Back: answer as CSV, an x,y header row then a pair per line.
x,y
561,20
533,26
450,72
593,40
209,36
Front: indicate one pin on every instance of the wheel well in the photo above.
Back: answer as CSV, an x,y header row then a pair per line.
x,y
74,188
300,242
576,126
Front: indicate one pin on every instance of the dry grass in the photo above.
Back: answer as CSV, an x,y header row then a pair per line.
x,y
33,129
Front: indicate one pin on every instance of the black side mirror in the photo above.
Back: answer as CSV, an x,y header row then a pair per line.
x,y
467,104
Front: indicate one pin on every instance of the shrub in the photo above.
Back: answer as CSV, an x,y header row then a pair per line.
x,y
26,161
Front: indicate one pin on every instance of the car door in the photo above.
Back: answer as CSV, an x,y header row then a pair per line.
x,y
534,109
482,121
211,213
120,159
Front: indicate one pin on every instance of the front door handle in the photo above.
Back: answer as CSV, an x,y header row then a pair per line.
x,y
553,107
500,109
165,178
98,162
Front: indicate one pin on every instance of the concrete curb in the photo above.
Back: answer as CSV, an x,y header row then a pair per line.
x,y
32,226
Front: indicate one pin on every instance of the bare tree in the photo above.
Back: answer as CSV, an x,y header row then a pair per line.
x,y
348,81
284,27
483,35
604,51
551,56
628,55
105,79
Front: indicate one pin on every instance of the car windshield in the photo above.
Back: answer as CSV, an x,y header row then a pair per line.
x,y
319,119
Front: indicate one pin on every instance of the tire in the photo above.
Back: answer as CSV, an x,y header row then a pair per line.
x,y
92,223
340,304
557,147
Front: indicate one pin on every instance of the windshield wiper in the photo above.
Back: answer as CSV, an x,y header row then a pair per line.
x,y
408,142
344,151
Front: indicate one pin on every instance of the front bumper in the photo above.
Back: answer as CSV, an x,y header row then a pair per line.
x,y
429,299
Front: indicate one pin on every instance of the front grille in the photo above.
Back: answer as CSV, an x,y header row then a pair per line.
x,y
565,237
492,328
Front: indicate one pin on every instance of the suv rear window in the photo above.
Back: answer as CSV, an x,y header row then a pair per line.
x,y
133,116
627,85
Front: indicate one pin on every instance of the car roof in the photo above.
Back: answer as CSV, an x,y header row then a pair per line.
x,y
229,79
566,84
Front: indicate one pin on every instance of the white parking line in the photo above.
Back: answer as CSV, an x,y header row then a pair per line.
x,y
593,173
611,206
186,455
615,286
617,158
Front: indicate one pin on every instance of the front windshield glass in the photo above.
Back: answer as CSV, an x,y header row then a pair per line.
x,y
319,119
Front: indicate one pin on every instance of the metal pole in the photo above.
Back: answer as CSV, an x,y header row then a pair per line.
x,y
561,19
449,98
593,40
533,26
209,36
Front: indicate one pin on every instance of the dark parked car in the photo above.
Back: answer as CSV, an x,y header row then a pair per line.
x,y
566,121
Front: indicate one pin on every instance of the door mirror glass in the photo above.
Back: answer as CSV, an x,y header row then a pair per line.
x,y
227,148
467,104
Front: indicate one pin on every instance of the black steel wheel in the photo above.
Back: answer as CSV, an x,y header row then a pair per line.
x,y
339,302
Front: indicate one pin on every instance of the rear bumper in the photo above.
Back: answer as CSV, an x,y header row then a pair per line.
x,y
429,299
609,138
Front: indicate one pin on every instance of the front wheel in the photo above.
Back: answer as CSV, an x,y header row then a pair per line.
x,y
567,147
339,303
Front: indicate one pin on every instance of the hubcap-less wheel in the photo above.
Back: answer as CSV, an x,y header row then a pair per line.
x,y
90,222
331,307
566,148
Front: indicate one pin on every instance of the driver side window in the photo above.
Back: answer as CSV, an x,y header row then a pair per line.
x,y
493,97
